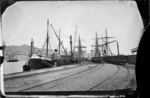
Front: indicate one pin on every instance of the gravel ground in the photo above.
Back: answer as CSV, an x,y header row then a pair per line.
x,y
85,80
130,81
114,82
23,83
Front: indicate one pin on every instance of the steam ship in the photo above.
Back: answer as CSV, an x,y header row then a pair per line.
x,y
38,60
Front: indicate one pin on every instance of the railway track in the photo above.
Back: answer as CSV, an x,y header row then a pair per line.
x,y
127,75
130,67
37,73
26,89
105,79
70,76
56,82
120,83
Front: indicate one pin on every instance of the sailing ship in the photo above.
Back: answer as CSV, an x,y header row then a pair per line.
x,y
105,54
100,55
79,55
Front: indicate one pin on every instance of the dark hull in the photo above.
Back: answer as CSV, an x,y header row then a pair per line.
x,y
13,60
39,63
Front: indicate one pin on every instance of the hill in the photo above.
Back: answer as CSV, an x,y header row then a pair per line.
x,y
17,50
22,52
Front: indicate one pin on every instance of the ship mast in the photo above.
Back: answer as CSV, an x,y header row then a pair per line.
x,y
79,48
71,46
58,39
102,46
106,42
80,52
118,48
105,45
32,47
47,43
97,53
75,39
59,43
47,39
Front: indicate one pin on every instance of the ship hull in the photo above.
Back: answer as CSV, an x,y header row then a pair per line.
x,y
37,63
13,60
40,63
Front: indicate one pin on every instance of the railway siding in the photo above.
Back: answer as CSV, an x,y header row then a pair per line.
x,y
130,81
119,81
80,82
23,83
91,77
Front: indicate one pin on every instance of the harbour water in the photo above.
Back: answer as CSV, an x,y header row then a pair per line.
x,y
13,67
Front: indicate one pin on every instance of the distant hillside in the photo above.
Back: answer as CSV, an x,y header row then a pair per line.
x,y
20,50
17,50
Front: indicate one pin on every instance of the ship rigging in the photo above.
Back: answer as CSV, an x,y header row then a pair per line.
x,y
105,49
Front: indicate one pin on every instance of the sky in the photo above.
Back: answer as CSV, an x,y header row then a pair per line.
x,y
25,20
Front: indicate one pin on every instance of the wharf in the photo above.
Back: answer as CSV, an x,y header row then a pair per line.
x,y
86,77
39,71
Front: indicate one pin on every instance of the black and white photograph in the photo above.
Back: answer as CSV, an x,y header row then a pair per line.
x,y
70,46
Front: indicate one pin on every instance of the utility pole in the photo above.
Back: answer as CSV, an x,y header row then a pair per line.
x,y
71,46
118,48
